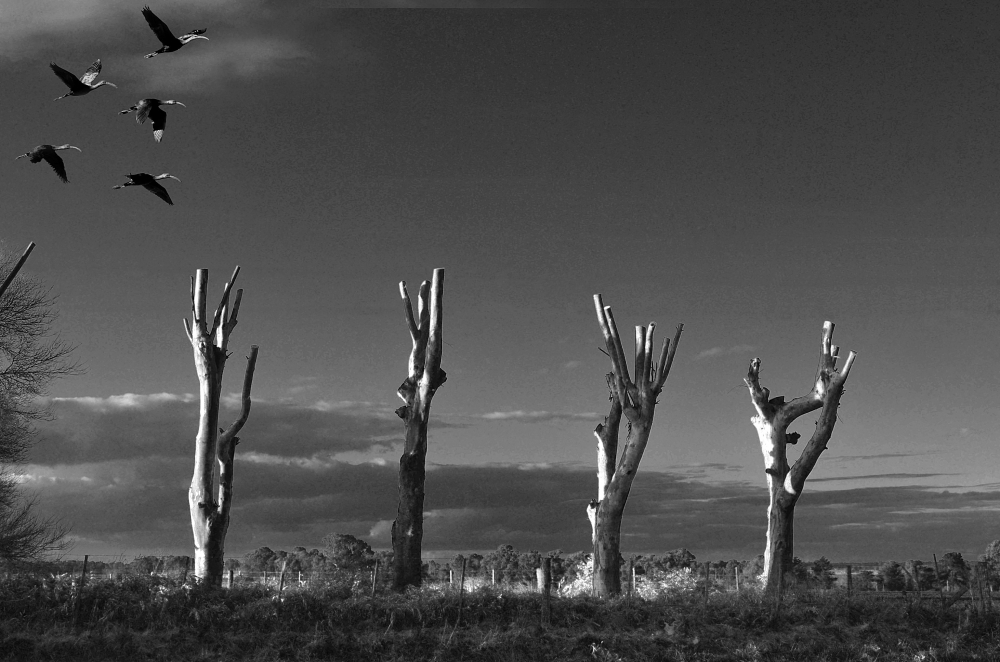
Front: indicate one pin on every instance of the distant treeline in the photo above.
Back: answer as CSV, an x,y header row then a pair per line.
x,y
507,565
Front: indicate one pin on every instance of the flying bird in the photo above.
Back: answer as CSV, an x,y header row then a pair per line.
x,y
148,182
48,152
166,37
151,108
79,86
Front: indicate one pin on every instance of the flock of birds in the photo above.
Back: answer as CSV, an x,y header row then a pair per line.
x,y
144,109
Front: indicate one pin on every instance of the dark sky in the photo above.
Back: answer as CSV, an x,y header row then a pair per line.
x,y
750,173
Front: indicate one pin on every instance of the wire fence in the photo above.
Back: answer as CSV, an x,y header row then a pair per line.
x,y
444,573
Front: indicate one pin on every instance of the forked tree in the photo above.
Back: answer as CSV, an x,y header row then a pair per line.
x,y
423,379
215,447
785,484
637,400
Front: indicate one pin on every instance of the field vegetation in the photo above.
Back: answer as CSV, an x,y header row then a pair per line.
x,y
161,618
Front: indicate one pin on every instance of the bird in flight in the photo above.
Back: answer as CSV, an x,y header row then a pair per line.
x,y
166,37
48,152
82,85
148,182
151,108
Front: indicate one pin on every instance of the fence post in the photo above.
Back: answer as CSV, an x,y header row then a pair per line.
x,y
545,586
461,591
494,571
230,578
281,578
79,590
706,582
850,582
937,579
374,576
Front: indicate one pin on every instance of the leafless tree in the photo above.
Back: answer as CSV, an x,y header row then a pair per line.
x,y
423,379
31,356
637,400
785,484
215,447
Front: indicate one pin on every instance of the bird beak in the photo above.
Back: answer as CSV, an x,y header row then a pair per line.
x,y
178,103
76,148
112,85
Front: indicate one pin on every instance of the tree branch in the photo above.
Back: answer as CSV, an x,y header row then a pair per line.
x,y
198,298
226,437
432,363
411,324
219,312
17,267
667,358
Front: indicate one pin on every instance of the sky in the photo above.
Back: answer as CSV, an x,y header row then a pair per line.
x,y
748,172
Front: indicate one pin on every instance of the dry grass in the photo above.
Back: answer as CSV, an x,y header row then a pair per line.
x,y
156,619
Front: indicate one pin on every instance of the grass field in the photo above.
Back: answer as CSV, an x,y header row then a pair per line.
x,y
150,618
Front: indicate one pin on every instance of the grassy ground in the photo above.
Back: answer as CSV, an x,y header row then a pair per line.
x,y
155,619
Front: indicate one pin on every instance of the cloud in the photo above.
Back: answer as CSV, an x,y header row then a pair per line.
x,y
246,58
539,416
141,504
878,456
86,430
714,352
893,476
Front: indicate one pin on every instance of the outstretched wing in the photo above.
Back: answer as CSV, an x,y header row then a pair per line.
x,y
90,75
142,111
68,78
159,118
158,191
158,27
56,162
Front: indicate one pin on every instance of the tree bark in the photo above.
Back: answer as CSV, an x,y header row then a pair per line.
x,y
785,484
637,402
214,447
423,379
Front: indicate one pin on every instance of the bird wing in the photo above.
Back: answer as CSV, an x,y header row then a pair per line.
x,y
159,118
158,27
72,82
157,190
142,111
56,162
90,75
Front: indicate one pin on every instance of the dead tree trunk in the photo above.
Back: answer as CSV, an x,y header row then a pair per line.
x,y
425,376
213,445
637,401
774,415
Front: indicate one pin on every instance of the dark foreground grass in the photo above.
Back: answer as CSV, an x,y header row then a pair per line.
x,y
156,619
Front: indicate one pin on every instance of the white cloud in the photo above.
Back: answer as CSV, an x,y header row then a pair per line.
x,y
539,416
247,58
713,352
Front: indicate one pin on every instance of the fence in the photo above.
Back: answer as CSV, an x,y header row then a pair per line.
x,y
636,580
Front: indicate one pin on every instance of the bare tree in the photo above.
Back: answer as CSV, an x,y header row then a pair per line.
x,y
423,379
785,484
213,445
637,400
30,358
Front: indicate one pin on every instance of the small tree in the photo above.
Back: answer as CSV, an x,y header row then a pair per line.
x,y
30,358
214,446
773,417
637,400
423,379
347,552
